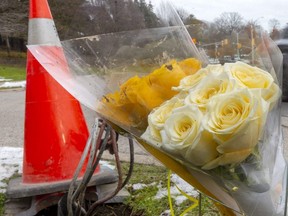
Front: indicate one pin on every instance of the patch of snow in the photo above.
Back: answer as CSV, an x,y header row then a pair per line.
x,y
179,199
183,185
10,163
165,213
175,193
4,80
107,164
21,84
138,186
163,192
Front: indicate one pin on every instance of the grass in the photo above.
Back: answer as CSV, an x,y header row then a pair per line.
x,y
12,54
13,72
2,201
2,195
143,200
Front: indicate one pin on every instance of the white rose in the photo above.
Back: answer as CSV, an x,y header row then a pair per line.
x,y
182,129
191,81
255,78
248,76
208,87
159,115
203,151
236,121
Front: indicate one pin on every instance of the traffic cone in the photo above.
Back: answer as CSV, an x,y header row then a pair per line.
x,y
55,131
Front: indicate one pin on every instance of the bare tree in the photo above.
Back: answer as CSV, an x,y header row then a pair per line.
x,y
229,22
13,17
284,32
211,33
107,16
13,20
254,23
76,18
274,24
65,13
183,14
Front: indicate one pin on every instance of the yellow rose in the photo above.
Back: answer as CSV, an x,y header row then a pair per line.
x,y
248,76
181,129
236,120
190,65
127,90
164,78
158,116
138,96
210,86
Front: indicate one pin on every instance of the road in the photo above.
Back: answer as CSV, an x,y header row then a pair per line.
x,y
12,109
12,115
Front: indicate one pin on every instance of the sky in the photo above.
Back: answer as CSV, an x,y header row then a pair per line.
x,y
260,10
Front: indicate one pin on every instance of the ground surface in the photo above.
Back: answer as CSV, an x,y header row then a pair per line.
x,y
102,210
12,112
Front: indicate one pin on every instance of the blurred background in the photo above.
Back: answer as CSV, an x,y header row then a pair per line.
x,y
230,33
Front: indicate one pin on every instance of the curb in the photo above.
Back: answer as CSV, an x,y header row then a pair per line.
x,y
12,89
138,159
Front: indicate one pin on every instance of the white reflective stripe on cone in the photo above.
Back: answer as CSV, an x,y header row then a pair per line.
x,y
43,31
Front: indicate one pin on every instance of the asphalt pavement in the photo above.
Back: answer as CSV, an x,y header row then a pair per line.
x,y
12,114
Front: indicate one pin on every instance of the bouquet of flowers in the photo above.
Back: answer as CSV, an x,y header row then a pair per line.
x,y
218,116
216,125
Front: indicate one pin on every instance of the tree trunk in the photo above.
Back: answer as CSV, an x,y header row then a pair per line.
x,y
8,46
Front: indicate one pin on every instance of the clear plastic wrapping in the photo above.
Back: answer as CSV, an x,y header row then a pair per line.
x,y
158,86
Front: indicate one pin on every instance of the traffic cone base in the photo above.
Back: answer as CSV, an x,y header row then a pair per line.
x,y
17,189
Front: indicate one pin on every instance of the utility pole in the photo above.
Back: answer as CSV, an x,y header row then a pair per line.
x,y
237,39
252,45
216,50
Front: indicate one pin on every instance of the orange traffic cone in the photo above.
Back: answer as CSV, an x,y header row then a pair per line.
x,y
55,129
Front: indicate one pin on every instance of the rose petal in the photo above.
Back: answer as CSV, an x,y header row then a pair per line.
x,y
210,86
203,151
244,139
251,77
